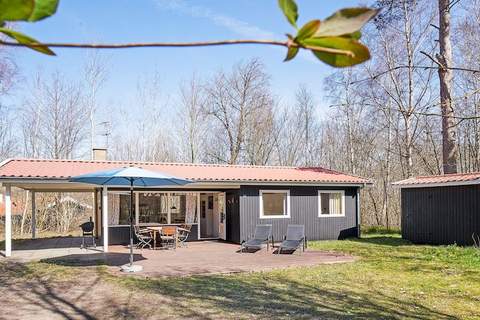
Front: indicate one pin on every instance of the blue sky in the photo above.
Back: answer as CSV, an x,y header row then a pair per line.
x,y
174,20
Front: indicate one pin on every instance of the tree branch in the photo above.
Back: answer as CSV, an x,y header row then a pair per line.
x,y
415,67
286,44
441,66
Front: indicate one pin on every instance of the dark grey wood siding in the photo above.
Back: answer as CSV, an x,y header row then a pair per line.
x,y
303,210
233,216
441,215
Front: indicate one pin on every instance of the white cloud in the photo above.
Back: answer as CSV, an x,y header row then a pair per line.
x,y
234,25
237,26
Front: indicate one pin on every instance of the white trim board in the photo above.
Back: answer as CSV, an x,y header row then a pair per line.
x,y
342,192
286,191
433,185
197,184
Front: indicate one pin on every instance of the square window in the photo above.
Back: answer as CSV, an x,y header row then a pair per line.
x,y
331,203
274,204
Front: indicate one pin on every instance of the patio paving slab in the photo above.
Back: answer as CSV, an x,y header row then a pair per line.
x,y
198,258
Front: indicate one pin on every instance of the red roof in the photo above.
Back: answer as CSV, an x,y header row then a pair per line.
x,y
64,169
446,179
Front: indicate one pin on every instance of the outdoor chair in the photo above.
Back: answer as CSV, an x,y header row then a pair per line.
x,y
168,237
263,235
294,239
144,237
87,232
183,233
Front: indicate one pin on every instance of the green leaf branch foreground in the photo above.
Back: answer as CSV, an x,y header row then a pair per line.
x,y
334,41
27,41
29,11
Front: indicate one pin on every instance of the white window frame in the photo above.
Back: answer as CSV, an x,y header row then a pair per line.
x,y
320,215
285,216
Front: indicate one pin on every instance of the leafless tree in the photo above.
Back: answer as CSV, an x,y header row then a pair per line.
x,y
54,118
8,145
9,75
191,120
234,101
95,74
467,86
147,137
299,130
445,62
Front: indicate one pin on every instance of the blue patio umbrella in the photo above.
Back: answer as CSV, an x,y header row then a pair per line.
x,y
131,177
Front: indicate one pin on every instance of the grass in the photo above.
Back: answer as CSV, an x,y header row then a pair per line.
x,y
392,279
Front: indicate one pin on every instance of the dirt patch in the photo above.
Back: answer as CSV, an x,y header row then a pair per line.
x,y
78,294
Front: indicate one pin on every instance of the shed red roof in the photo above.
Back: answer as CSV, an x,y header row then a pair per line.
x,y
64,169
452,179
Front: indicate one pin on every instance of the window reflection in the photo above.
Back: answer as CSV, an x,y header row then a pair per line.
x,y
118,209
153,208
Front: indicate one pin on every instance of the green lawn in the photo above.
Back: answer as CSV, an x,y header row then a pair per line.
x,y
391,279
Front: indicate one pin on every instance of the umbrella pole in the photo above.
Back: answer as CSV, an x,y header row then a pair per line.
x,y
131,222
130,267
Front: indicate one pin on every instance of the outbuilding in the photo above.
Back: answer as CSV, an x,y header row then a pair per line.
x,y
443,209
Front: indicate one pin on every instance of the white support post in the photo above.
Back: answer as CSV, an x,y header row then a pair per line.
x,y
198,215
34,219
358,213
105,218
8,221
137,208
169,207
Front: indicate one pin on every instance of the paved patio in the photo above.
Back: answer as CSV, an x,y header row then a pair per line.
x,y
26,250
205,257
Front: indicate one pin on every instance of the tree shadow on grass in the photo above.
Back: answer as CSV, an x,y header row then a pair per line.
x,y
95,259
383,241
251,295
32,293
242,297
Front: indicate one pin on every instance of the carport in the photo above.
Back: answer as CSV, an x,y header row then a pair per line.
x,y
44,185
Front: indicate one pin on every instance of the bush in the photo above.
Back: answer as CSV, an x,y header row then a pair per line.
x,y
380,230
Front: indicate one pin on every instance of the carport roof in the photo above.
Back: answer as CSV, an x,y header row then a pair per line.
x,y
47,169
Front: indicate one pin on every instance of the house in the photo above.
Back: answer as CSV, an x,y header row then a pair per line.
x,y
223,202
443,209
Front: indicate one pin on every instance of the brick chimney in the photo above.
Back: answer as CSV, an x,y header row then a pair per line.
x,y
99,154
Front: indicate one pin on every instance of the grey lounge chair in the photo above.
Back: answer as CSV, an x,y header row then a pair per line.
x,y
294,239
263,235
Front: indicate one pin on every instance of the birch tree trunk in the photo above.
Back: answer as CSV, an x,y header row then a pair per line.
x,y
445,75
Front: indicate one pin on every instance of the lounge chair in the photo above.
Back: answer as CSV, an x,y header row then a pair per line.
x,y
144,237
263,235
294,239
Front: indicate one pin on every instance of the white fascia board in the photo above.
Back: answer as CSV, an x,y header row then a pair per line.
x,y
199,184
432,185
4,162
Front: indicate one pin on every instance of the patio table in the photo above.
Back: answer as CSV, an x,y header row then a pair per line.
x,y
158,229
